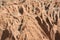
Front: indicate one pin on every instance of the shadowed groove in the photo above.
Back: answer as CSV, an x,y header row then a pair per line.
x,y
43,26
5,34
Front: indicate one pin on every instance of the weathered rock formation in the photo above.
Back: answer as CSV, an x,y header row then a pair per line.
x,y
29,19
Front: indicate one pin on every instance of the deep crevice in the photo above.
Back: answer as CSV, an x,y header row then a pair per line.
x,y
21,10
5,34
43,26
57,37
19,29
13,38
56,20
47,20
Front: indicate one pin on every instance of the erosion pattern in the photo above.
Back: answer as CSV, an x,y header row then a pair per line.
x,y
29,19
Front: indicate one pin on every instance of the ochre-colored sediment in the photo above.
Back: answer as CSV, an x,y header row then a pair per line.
x,y
29,19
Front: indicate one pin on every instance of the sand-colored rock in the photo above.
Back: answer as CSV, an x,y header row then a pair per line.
x,y
29,20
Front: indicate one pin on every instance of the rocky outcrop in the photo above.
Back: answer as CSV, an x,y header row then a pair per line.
x,y
29,20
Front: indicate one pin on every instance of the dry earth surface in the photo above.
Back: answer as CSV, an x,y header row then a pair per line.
x,y
29,19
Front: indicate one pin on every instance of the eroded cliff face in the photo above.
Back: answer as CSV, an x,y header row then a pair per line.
x,y
29,19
